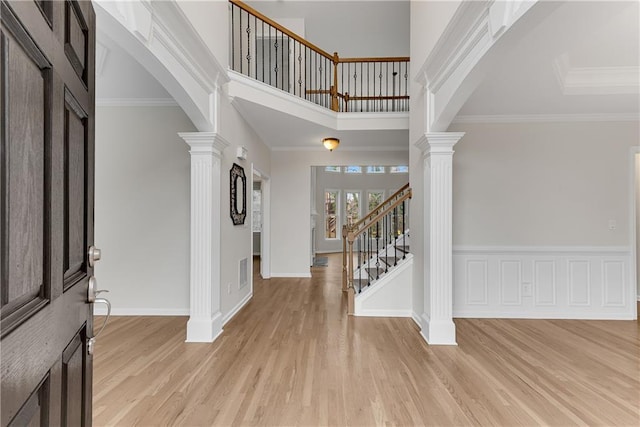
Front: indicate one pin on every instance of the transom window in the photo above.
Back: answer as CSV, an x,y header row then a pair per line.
x,y
375,169
353,169
399,169
332,169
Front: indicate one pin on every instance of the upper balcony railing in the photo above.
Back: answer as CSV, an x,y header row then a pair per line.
x,y
266,51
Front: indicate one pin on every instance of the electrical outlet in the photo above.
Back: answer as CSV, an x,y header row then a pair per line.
x,y
526,289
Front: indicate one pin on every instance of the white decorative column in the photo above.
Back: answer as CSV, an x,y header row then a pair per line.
x,y
205,322
437,319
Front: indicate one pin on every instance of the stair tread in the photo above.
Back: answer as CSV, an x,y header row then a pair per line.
x,y
389,260
360,284
375,272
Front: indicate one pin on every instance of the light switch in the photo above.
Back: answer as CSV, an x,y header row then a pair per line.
x,y
612,224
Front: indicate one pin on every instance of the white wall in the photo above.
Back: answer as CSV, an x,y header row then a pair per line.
x,y
211,20
364,182
237,239
551,184
142,209
291,200
637,180
532,210
351,28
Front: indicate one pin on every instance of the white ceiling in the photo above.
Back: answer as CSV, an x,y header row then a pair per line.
x,y
583,59
281,130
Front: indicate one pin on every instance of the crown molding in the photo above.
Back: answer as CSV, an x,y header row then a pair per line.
x,y
549,118
136,102
321,149
596,80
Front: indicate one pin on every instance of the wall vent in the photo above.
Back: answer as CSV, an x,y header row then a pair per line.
x,y
243,273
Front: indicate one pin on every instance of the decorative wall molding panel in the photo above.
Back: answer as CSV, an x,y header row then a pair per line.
x,y
543,282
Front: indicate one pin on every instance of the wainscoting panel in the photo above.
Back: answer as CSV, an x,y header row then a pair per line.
x,y
579,283
477,281
543,282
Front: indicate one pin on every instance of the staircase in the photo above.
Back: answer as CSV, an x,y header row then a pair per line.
x,y
376,252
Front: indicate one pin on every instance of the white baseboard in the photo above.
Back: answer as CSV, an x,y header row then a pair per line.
x,y
568,282
100,310
292,275
416,319
594,315
227,317
385,313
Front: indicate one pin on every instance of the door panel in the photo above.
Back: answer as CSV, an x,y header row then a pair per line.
x,y
24,74
73,380
35,412
75,38
46,210
75,191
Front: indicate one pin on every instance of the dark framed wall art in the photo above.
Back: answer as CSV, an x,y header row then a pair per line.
x,y
238,194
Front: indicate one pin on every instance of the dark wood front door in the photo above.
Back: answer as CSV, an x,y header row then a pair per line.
x,y
46,210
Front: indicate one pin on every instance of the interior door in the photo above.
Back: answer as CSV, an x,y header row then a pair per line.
x,y
46,196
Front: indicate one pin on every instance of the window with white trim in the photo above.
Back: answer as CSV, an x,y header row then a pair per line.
x,y
331,209
352,206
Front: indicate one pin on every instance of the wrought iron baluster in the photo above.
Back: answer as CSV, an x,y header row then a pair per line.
x,y
275,45
248,31
233,38
404,231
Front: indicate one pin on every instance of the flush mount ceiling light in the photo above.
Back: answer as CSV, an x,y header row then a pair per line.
x,y
330,143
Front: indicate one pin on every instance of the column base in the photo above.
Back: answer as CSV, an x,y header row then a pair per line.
x,y
438,332
204,329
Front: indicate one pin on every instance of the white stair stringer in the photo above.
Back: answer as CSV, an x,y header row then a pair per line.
x,y
391,294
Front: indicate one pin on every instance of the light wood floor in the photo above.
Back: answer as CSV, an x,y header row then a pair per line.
x,y
292,357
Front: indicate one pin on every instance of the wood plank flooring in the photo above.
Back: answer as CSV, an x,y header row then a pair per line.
x,y
292,357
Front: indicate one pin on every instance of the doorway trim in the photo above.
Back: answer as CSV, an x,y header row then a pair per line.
x,y
634,193
265,236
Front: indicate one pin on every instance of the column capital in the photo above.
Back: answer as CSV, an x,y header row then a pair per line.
x,y
205,142
438,142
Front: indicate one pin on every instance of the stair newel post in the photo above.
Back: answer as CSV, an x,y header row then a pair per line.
x,y
344,258
351,289
334,88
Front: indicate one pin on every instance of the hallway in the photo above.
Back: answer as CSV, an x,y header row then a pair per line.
x,y
293,357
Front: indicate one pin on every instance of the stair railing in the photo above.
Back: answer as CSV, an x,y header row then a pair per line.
x,y
266,51
375,243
